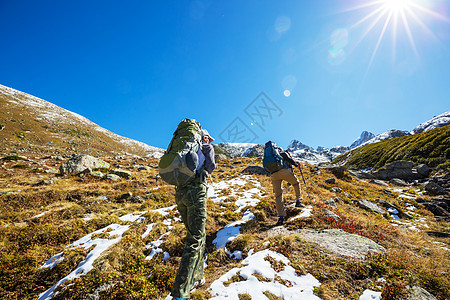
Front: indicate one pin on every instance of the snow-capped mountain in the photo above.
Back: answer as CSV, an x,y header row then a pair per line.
x,y
236,149
390,134
304,153
435,122
33,124
364,137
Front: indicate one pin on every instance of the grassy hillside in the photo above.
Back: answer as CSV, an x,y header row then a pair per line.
x,y
431,148
39,220
29,124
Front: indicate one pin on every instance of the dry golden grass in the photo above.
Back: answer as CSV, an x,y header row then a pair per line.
x,y
28,240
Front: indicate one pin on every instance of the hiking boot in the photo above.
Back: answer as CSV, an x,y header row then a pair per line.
x,y
299,204
280,221
197,283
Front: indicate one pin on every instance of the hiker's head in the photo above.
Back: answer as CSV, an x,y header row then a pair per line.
x,y
206,137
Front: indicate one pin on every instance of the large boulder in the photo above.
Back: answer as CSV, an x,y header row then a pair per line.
x,y
255,170
366,204
361,174
418,293
79,163
401,169
343,243
423,170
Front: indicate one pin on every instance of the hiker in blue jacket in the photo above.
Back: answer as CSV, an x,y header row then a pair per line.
x,y
279,164
191,203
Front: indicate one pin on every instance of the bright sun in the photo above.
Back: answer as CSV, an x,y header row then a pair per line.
x,y
397,5
393,14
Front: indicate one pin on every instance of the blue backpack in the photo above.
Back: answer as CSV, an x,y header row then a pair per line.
x,y
272,161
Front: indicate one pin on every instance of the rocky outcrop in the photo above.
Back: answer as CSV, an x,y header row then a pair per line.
x,y
79,163
401,169
366,204
255,170
255,151
343,243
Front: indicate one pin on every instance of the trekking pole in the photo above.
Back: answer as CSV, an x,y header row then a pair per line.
x,y
301,173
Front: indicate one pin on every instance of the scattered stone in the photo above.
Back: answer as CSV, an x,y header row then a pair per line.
x,y
2,127
112,177
332,215
330,181
366,204
389,193
51,171
337,171
423,170
142,167
361,174
336,190
79,163
418,293
434,189
347,195
121,173
45,182
137,199
439,234
343,243
85,172
5,193
125,196
255,170
398,182
331,202
102,198
379,182
97,174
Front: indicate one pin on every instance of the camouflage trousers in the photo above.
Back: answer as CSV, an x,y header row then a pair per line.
x,y
191,203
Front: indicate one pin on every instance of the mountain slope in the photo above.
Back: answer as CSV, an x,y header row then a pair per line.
x,y
436,122
431,147
34,125
364,137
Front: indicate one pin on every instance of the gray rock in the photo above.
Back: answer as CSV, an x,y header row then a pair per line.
x,y
399,164
337,171
255,151
2,127
112,177
423,170
330,181
136,199
361,174
336,190
366,204
255,170
126,196
102,198
398,182
121,173
97,174
51,171
398,169
343,243
434,189
418,293
379,182
45,182
79,163
331,202
332,215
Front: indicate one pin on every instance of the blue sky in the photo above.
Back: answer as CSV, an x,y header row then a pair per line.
x,y
137,68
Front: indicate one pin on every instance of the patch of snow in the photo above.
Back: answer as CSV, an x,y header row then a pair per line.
x,y
370,295
147,232
306,212
165,210
133,218
56,259
291,286
87,242
40,215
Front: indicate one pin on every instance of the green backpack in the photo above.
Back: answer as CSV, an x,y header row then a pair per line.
x,y
181,161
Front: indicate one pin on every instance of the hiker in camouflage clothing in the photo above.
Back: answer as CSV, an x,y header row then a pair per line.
x,y
191,203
